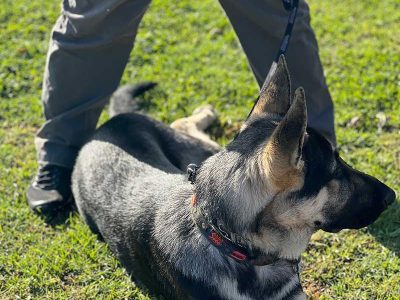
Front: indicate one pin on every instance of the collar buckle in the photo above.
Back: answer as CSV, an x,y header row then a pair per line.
x,y
191,170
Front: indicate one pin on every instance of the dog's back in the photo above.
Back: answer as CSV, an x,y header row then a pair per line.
x,y
116,195
132,167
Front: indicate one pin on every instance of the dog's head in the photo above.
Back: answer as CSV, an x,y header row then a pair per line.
x,y
278,181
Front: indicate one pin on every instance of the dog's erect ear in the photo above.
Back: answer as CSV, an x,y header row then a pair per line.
x,y
284,149
275,95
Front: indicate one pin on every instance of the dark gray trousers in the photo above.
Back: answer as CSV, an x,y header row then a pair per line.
x,y
90,46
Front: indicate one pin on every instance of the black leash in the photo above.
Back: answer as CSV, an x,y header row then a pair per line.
x,y
292,7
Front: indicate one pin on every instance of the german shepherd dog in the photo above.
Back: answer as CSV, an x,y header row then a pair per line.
x,y
238,231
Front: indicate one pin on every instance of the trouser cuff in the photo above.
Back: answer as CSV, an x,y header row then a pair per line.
x,y
56,154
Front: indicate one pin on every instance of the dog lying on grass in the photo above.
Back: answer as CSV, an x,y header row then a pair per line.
x,y
238,231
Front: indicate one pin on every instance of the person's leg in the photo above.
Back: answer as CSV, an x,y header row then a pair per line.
x,y
259,25
89,48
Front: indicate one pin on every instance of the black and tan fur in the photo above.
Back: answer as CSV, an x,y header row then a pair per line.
x,y
275,184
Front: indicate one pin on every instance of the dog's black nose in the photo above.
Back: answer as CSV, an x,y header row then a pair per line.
x,y
390,197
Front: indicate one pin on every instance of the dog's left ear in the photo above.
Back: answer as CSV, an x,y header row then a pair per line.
x,y
283,153
275,93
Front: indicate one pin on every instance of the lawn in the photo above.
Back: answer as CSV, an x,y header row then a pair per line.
x,y
189,48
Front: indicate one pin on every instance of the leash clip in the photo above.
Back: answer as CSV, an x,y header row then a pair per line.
x,y
192,172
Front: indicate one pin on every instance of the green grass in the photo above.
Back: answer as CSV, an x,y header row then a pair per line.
x,y
190,49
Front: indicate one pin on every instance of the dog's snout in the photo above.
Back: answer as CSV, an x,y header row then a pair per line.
x,y
381,194
390,197
384,194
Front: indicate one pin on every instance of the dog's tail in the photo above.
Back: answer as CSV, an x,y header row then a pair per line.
x,y
124,99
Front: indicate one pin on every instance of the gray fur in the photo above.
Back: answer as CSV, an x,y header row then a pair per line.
x,y
130,187
118,195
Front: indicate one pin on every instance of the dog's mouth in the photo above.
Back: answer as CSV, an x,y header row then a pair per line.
x,y
332,229
359,223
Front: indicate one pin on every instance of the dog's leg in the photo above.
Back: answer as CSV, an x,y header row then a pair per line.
x,y
196,124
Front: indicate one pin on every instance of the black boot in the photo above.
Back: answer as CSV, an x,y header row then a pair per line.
x,y
50,190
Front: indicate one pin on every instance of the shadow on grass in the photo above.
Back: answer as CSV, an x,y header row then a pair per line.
x,y
58,216
386,229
